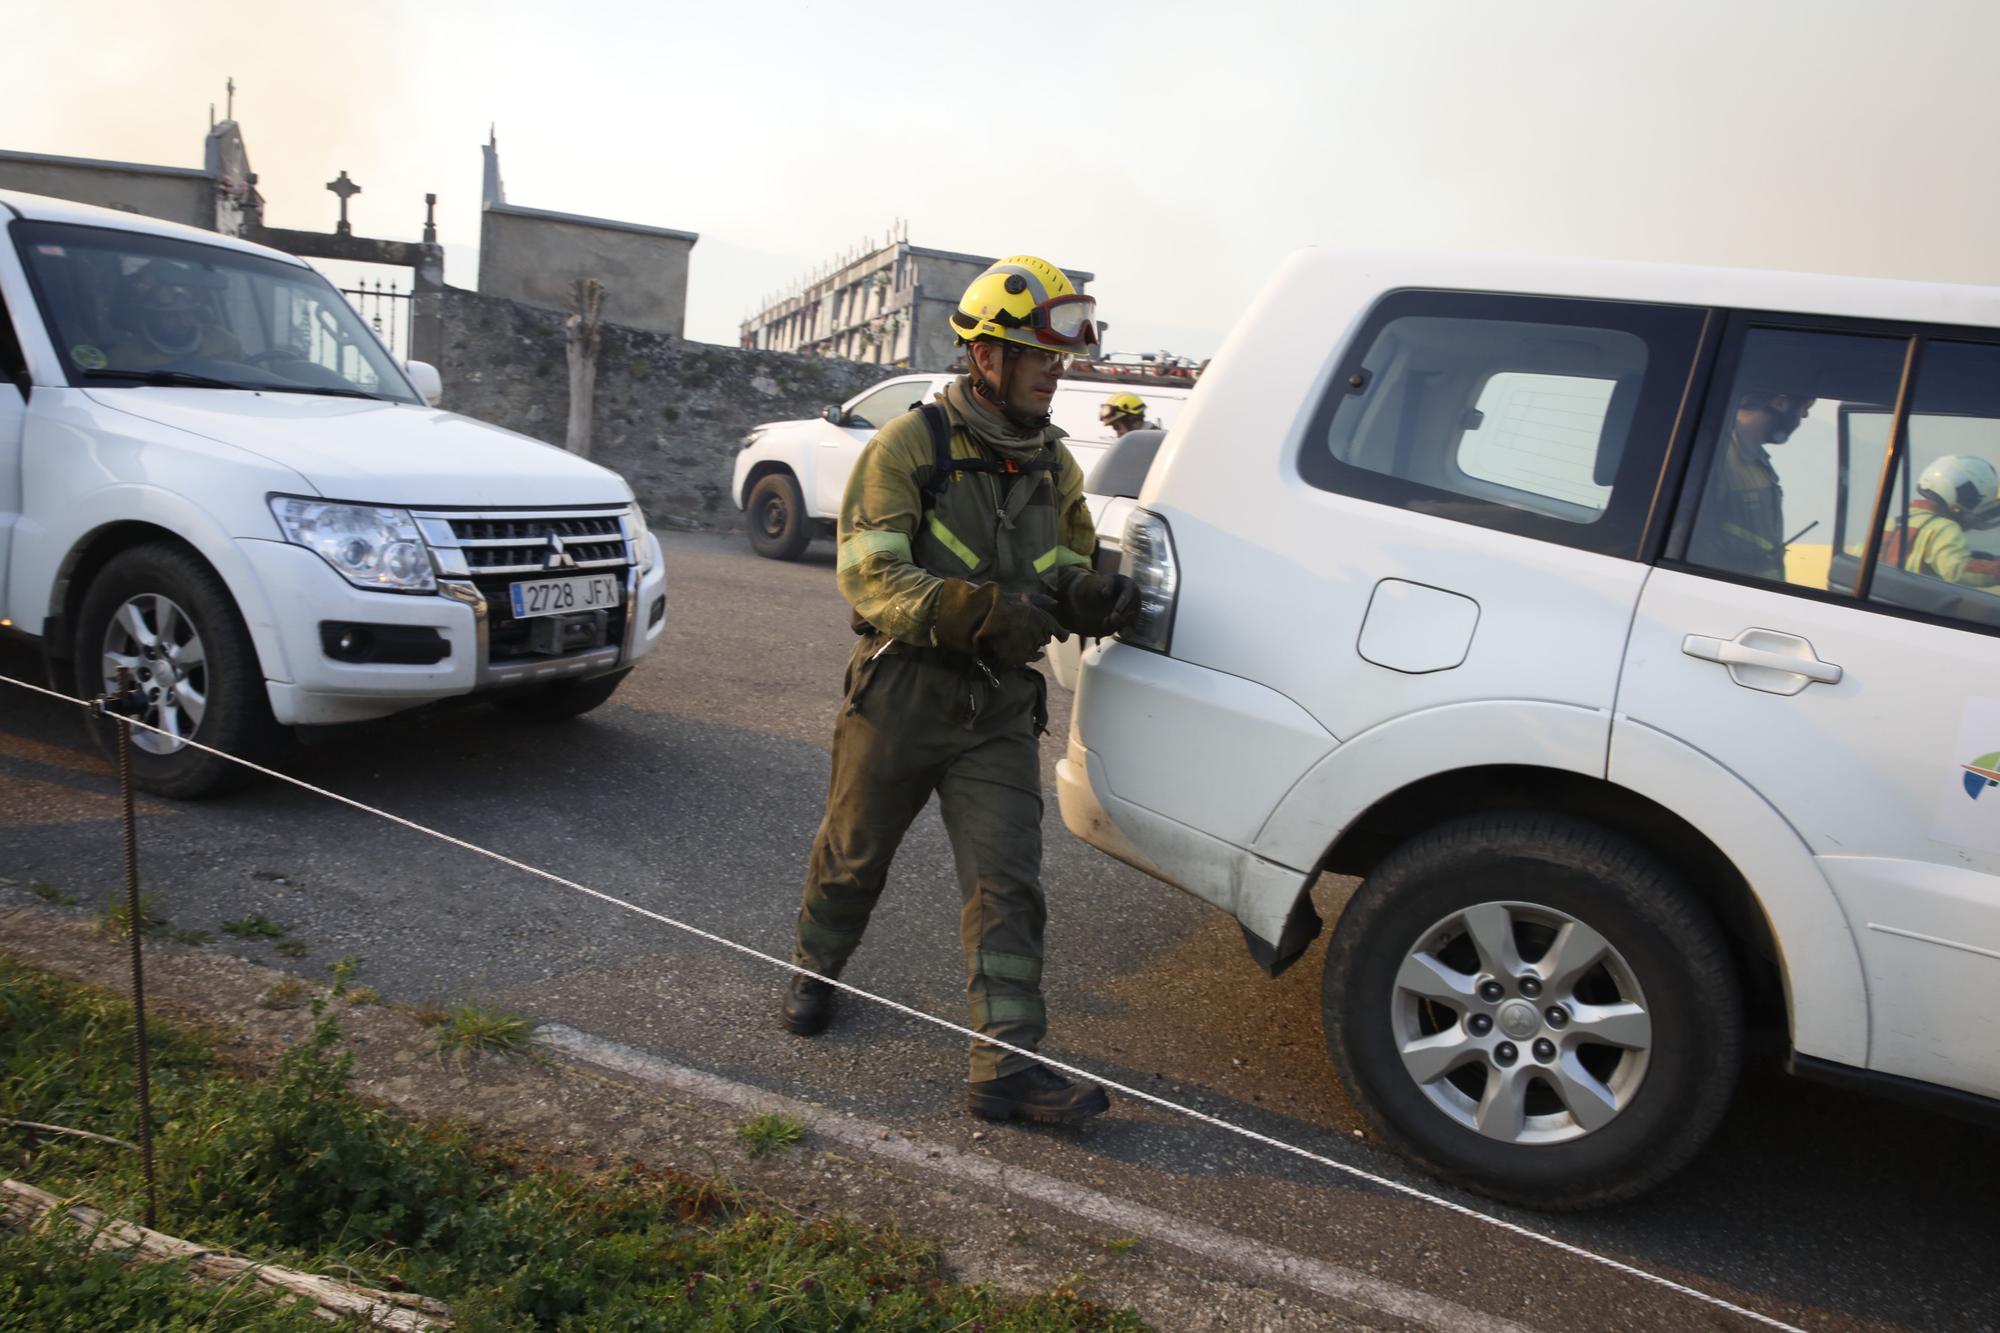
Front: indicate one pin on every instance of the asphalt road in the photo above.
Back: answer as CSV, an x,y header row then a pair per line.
x,y
695,793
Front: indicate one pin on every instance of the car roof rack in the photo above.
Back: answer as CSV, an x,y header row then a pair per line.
x,y
1158,369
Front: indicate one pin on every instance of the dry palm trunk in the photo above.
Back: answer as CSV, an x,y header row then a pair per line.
x,y
23,1207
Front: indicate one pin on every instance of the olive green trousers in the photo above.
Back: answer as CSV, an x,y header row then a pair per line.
x,y
914,723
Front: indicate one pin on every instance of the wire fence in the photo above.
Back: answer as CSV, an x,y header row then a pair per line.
x,y
121,708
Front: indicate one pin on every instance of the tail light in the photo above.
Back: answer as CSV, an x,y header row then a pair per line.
x,y
1149,561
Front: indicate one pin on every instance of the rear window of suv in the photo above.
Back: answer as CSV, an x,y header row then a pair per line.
x,y
1542,416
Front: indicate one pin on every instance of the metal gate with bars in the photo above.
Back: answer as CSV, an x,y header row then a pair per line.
x,y
387,310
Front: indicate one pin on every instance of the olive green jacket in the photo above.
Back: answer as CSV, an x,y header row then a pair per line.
x,y
1741,526
1029,532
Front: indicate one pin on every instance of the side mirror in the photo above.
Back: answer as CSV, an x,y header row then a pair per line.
x,y
430,385
833,414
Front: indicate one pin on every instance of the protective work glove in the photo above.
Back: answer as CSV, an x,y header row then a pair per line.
x,y
984,621
1099,605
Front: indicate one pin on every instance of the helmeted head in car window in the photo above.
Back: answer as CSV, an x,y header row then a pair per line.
x,y
167,306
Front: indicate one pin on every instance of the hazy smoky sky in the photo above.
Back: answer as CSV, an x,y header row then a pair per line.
x,y
1178,150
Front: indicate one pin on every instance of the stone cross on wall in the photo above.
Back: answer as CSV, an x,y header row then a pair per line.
x,y
346,189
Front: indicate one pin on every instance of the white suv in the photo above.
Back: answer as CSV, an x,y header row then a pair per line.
x,y
213,475
1577,608
790,475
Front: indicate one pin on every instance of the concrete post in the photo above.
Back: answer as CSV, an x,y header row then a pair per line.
x,y
427,305
581,331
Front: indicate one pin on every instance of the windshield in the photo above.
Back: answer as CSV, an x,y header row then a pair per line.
x,y
126,309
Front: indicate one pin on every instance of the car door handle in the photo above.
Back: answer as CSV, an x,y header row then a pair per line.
x,y
1765,659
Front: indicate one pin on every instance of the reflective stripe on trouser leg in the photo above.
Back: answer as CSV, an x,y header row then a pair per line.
x,y
880,780
991,799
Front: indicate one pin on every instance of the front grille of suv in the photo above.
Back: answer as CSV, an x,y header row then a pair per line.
x,y
521,544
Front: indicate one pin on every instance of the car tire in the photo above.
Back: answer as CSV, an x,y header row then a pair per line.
x,y
561,701
1587,1107
161,610
776,515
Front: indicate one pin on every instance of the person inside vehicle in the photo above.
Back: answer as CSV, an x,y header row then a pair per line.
x,y
1956,493
1741,526
170,318
965,546
1124,413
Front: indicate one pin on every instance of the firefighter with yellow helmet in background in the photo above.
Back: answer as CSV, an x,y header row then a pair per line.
x,y
964,547
1956,492
1124,412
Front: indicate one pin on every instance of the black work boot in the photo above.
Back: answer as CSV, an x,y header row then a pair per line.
x,y
1036,1093
808,1005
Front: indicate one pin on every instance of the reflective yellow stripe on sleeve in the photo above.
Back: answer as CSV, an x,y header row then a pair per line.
x,y
1059,557
953,544
858,546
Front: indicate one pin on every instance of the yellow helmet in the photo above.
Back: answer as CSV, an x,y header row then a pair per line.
x,y
1118,405
1027,301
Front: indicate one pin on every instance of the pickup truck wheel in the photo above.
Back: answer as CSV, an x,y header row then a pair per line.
x,y
1535,1007
776,512
561,701
166,616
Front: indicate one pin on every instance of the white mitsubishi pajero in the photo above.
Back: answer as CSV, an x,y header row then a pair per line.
x,y
1598,616
213,474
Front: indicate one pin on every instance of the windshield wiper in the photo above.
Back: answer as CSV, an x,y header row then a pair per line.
x,y
175,377
323,390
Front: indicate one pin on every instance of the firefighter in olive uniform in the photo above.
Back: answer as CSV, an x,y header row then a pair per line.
x,y
1741,526
964,548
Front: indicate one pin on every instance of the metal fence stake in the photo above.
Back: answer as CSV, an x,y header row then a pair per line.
x,y
119,707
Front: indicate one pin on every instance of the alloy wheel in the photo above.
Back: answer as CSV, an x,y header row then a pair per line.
x,y
1521,1022
152,637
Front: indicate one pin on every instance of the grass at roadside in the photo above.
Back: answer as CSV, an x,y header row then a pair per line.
x,y
475,1029
294,1169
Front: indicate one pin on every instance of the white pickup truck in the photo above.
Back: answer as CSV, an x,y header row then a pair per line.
x,y
213,475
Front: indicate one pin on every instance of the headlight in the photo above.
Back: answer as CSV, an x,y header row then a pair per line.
x,y
1148,559
370,547
642,539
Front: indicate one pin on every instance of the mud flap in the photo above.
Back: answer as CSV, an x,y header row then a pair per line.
x,y
1302,927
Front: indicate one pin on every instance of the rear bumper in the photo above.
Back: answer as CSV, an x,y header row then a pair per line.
x,y
1260,894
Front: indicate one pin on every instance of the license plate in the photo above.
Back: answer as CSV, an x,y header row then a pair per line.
x,y
552,597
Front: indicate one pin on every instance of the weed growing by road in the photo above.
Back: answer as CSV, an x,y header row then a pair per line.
x,y
288,993
292,948
256,926
1122,1245
192,938
295,1170
344,971
115,921
50,894
770,1133
476,1029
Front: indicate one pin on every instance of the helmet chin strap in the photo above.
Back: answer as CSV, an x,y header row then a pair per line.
x,y
996,394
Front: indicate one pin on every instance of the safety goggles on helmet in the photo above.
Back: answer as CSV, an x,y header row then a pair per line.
x,y
1060,321
1065,321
